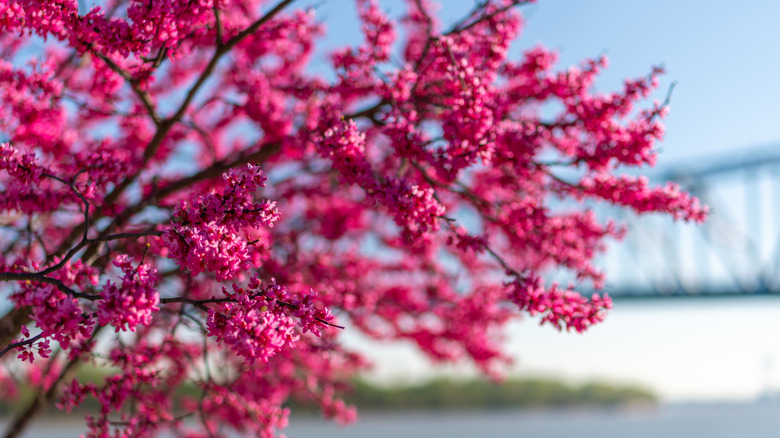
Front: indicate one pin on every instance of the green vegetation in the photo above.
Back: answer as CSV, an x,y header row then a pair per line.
x,y
481,394
438,394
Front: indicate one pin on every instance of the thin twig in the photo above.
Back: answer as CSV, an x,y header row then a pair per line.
x,y
142,94
460,27
19,344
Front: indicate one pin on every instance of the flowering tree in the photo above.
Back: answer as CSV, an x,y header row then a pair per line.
x,y
190,207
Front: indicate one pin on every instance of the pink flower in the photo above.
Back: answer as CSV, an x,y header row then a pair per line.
x,y
132,303
561,308
210,233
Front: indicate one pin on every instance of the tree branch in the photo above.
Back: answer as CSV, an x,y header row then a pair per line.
x,y
19,344
40,278
142,95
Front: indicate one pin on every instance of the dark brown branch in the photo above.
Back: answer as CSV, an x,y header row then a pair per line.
x,y
142,95
160,57
86,241
478,7
216,169
39,277
256,25
218,25
19,344
213,171
368,112
207,140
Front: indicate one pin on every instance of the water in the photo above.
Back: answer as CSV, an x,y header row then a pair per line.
x,y
675,421
711,421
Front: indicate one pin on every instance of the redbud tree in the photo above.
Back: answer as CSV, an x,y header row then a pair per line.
x,y
192,208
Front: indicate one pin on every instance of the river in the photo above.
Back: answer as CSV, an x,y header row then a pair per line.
x,y
668,421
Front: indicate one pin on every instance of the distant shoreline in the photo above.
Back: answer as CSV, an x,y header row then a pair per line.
x,y
478,394
444,394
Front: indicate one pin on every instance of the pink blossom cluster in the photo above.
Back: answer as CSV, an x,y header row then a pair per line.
x,y
32,108
303,373
561,308
166,23
103,166
250,329
42,18
468,327
206,233
465,242
30,111
564,239
149,370
414,208
345,146
73,395
469,119
57,315
25,168
355,65
27,351
334,217
263,418
131,304
259,322
148,24
311,315
635,192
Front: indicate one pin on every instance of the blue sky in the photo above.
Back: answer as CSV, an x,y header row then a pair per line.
x,y
724,58
722,54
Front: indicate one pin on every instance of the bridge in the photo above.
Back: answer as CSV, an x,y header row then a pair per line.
x,y
736,252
